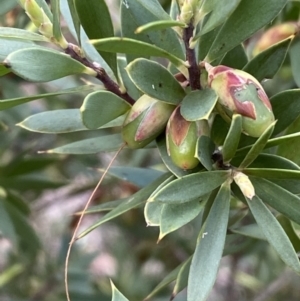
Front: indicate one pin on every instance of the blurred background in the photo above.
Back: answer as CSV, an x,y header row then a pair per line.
x,y
41,193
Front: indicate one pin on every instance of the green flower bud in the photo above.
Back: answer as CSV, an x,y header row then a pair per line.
x,y
244,184
274,35
145,121
241,93
182,137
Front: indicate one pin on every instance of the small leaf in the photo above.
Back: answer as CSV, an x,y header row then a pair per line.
x,y
157,82
190,187
56,20
204,150
75,19
286,108
182,278
21,34
278,198
239,27
131,46
232,139
108,143
209,249
198,104
295,60
257,147
274,233
116,295
134,201
159,25
61,121
235,58
173,217
12,102
95,19
268,62
27,63
101,107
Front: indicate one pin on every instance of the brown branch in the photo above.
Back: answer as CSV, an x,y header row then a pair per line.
x,y
108,83
194,71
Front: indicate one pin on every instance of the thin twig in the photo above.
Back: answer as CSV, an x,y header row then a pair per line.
x,y
73,239
194,71
108,83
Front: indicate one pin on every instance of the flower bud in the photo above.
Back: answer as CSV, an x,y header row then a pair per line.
x,y
274,35
35,13
145,121
182,138
241,93
244,184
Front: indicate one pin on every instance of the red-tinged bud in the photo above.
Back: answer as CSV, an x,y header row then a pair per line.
x,y
275,35
241,93
145,121
182,137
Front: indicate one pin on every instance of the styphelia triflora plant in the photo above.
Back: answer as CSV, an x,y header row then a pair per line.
x,y
204,107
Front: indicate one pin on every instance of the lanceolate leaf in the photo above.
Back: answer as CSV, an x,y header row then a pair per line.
x,y
273,173
157,82
209,249
21,34
295,60
286,108
101,107
257,147
134,201
267,63
204,150
237,29
9,45
12,102
232,139
27,63
159,25
75,19
116,294
56,19
280,199
131,46
190,187
108,143
274,233
96,22
198,104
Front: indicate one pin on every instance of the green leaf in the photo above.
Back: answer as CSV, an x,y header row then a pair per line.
x,y
56,19
206,41
12,102
3,70
139,12
7,228
219,14
159,25
190,187
209,249
257,147
108,206
27,63
286,108
252,230
239,26
108,143
75,19
295,60
182,278
235,58
21,34
268,62
290,231
116,295
140,177
198,104
131,46
278,198
101,107
152,213
134,201
95,19
173,217
219,130
61,121
157,82
43,4
274,233
232,139
204,150
8,46
167,280
273,173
